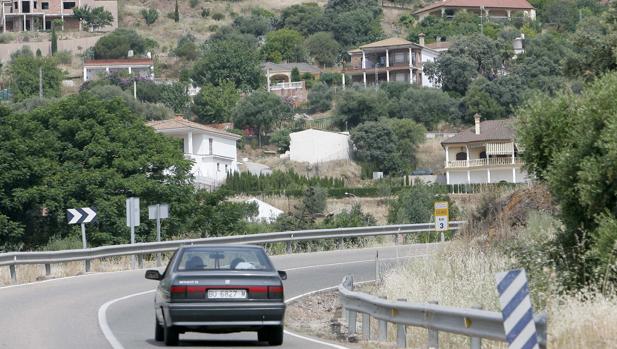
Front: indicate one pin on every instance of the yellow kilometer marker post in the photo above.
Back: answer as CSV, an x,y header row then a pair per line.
x,y
441,215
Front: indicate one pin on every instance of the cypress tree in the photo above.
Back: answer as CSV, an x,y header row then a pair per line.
x,y
176,13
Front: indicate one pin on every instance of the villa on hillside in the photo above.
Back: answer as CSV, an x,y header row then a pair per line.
x,y
393,59
212,150
33,15
485,153
278,76
492,9
139,67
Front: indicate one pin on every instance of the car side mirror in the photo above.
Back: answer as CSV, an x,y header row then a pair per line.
x,y
153,274
283,274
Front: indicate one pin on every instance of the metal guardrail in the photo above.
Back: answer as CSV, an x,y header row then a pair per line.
x,y
50,257
474,323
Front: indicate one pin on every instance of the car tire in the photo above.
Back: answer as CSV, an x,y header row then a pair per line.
x,y
273,335
171,336
159,331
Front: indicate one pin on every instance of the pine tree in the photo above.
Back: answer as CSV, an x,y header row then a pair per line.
x,y
54,41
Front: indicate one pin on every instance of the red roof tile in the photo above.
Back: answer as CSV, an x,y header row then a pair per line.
x,y
490,130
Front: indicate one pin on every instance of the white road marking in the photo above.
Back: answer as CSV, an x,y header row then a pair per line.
x,y
109,335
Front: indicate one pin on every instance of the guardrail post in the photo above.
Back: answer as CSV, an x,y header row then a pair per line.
x,y
87,265
13,272
341,243
366,326
541,329
476,342
382,328
140,261
352,322
288,247
158,260
47,269
433,335
401,332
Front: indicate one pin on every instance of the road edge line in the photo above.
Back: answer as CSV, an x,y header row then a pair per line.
x,y
104,326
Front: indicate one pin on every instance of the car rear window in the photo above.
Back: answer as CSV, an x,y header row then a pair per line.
x,y
224,259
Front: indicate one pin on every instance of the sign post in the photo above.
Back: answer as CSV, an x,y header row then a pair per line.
x,y
441,217
158,212
518,322
132,220
82,216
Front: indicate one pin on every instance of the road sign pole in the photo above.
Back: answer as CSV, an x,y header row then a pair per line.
x,y
158,232
83,235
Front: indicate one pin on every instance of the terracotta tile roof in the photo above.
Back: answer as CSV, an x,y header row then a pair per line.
x,y
181,123
490,130
122,61
284,67
508,4
388,42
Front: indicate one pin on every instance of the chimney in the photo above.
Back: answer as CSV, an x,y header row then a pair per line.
x,y
421,39
477,119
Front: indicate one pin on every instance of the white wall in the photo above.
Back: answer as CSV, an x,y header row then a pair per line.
x,y
428,56
314,146
459,176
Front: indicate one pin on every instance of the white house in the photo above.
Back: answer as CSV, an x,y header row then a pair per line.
x,y
315,146
212,150
486,153
266,212
142,67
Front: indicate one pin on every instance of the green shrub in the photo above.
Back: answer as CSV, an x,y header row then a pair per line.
x,y
213,27
64,57
218,16
6,38
194,3
205,12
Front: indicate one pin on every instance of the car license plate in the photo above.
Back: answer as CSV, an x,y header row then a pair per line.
x,y
222,294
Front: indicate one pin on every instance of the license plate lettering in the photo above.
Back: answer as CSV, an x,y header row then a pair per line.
x,y
226,294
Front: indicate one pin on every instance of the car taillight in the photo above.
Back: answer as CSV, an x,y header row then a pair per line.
x,y
178,292
275,292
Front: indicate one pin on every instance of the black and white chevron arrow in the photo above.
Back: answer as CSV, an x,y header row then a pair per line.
x,y
80,215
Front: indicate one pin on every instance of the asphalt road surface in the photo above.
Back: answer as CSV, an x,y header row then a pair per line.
x,y
115,310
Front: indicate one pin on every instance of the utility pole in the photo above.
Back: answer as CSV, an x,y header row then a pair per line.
x,y
40,82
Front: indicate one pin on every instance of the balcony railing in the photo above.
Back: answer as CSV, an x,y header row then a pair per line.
x,y
287,85
483,162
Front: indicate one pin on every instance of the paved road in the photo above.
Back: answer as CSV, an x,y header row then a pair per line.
x,y
64,313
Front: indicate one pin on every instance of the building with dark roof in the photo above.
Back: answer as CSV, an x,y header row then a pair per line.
x,y
495,9
279,82
485,153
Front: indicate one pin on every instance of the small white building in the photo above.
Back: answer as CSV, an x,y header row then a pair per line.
x,y
267,213
485,153
315,146
141,67
212,150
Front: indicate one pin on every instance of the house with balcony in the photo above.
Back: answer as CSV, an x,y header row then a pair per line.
x,y
35,15
393,59
489,9
212,150
485,153
278,76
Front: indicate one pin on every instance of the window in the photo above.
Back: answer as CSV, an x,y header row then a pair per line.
x,y
68,5
461,156
224,259
16,5
210,145
482,155
218,167
45,5
34,4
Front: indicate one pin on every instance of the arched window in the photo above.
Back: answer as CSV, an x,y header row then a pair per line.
x,y
482,155
461,156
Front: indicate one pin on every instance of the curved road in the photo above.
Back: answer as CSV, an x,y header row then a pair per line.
x,y
114,310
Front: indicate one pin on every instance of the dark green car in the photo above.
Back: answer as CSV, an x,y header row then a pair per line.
x,y
219,289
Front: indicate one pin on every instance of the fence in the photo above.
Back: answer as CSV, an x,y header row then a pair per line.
x,y
47,258
474,323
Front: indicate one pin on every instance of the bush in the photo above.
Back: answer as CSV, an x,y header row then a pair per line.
x,y
6,38
194,3
320,98
64,57
217,16
117,44
281,139
186,47
278,181
205,12
150,15
213,27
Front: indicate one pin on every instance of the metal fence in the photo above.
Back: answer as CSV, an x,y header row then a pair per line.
x,y
474,323
140,249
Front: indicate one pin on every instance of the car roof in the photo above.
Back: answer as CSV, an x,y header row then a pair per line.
x,y
219,246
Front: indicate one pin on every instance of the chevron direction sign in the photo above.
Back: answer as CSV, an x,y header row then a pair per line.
x,y
80,215
518,321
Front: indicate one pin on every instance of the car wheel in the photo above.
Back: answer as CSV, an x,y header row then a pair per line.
x,y
159,331
171,336
273,335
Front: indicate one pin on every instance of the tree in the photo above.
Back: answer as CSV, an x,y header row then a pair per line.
x,y
453,73
306,18
314,200
375,144
413,205
409,135
231,60
281,139
494,99
186,47
174,95
118,43
150,15
570,142
258,23
214,104
323,48
176,13
260,110
595,43
352,218
355,106
354,27
320,98
54,37
24,74
94,18
284,45
295,74
426,106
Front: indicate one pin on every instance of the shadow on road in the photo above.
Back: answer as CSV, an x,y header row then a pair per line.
x,y
212,343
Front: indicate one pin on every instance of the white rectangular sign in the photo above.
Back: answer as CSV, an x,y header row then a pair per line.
x,y
163,211
441,223
132,212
